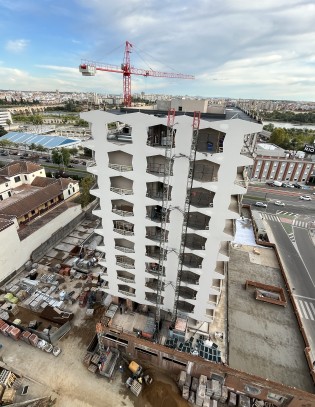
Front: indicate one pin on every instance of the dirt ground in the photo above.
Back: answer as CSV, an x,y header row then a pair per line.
x,y
69,382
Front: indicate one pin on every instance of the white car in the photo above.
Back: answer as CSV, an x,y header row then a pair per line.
x,y
262,204
279,203
305,197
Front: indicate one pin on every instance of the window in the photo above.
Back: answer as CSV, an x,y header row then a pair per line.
x,y
252,390
33,175
25,177
274,397
73,190
33,212
9,193
6,184
17,179
69,192
1,198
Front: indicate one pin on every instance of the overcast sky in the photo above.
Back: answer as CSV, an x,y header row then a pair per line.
x,y
262,49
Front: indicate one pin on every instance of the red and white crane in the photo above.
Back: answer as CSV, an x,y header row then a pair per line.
x,y
89,68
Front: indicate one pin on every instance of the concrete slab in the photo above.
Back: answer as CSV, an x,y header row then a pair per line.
x,y
65,247
264,339
72,240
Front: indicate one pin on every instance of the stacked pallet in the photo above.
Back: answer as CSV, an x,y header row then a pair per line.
x,y
243,401
232,399
216,389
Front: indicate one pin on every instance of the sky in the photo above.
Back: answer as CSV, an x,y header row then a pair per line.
x,y
257,49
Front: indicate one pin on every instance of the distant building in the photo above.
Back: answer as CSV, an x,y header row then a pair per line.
x,y
4,116
189,105
25,195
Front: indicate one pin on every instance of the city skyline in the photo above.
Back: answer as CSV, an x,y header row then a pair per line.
x,y
243,50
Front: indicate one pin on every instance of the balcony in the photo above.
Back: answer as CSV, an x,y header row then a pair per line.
x,y
158,191
210,141
125,276
126,262
229,228
235,204
188,277
120,161
192,261
195,242
121,185
225,250
159,165
154,252
201,198
210,313
216,284
241,177
206,171
122,207
187,293
213,299
155,269
158,136
126,290
220,268
123,227
185,307
157,214
154,298
156,233
124,245
198,221
119,133
154,284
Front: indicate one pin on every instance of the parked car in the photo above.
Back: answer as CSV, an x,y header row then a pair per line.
x,y
305,198
279,203
70,166
297,186
261,204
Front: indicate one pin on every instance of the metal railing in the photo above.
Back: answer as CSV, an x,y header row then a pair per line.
x,y
158,195
120,167
121,212
122,191
126,279
125,249
125,265
156,236
159,169
124,232
154,255
127,293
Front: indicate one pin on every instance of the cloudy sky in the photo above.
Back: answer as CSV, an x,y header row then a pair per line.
x,y
242,48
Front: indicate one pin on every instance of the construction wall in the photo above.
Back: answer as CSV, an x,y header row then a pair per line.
x,y
173,361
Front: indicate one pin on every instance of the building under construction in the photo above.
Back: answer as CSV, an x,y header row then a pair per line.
x,y
169,191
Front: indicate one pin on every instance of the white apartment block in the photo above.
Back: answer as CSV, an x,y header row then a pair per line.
x,y
4,116
130,171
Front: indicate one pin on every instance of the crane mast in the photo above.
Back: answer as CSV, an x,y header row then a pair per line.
x,y
89,68
190,178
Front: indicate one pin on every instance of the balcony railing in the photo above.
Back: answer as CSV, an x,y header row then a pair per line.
x,y
155,255
127,293
124,232
189,280
192,263
122,191
125,265
158,195
159,169
122,213
155,270
156,236
126,279
151,297
188,294
185,307
155,284
120,167
125,249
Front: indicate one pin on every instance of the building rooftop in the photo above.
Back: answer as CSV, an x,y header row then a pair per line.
x,y
45,141
264,338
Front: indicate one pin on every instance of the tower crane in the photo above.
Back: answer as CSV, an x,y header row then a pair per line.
x,y
89,68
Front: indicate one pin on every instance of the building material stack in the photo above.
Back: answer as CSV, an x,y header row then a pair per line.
x,y
201,390
232,399
216,388
182,379
243,401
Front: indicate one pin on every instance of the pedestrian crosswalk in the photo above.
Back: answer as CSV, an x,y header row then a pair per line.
x,y
291,237
284,213
270,216
306,309
299,224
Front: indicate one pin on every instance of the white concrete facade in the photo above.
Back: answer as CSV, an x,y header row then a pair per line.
x,y
129,170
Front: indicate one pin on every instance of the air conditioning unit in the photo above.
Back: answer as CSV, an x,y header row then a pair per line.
x,y
207,227
200,266
211,205
203,247
147,194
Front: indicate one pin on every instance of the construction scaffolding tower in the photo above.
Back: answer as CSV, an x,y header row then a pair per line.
x,y
190,178
165,203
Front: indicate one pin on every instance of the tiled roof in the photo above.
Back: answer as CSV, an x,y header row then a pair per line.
x,y
3,179
40,196
5,222
42,181
19,167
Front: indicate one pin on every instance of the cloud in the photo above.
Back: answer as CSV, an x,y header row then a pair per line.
x,y
16,46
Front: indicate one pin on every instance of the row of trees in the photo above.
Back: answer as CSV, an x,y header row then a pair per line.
x,y
289,117
38,120
18,102
290,139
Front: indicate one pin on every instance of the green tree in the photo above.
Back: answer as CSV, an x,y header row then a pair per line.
x,y
2,131
81,123
269,127
56,157
85,186
41,148
8,122
65,156
279,137
73,151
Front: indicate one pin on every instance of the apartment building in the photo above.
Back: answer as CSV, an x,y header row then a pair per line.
x,y
147,211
